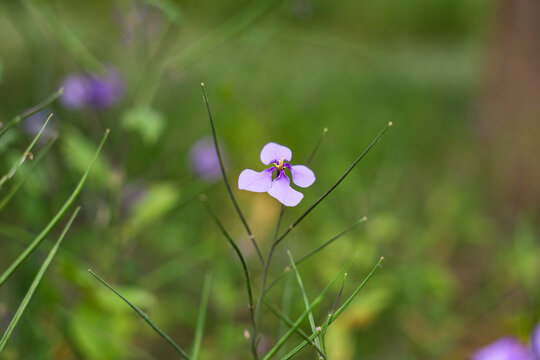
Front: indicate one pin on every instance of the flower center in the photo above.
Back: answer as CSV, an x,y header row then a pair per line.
x,y
279,164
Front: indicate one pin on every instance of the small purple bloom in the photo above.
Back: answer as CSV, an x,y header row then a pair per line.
x,y
508,348
76,89
535,342
280,186
106,90
99,92
204,161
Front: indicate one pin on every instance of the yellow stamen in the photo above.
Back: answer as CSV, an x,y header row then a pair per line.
x,y
279,164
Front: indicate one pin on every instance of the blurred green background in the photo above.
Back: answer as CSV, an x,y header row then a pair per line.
x,y
456,221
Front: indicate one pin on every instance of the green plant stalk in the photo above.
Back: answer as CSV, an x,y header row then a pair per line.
x,y
17,119
336,184
144,317
317,145
312,306
224,175
25,154
20,182
286,304
244,268
290,324
202,317
334,316
313,252
39,238
325,327
305,298
35,283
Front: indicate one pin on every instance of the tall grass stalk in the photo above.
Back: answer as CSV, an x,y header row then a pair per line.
x,y
67,204
36,282
42,105
143,316
226,181
26,154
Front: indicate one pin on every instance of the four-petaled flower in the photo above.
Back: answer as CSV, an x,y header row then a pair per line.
x,y
279,187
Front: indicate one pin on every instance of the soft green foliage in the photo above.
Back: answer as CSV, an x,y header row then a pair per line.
x,y
147,122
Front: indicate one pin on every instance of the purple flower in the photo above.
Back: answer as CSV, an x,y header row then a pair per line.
x,y
76,89
508,348
535,342
204,161
105,91
99,92
280,187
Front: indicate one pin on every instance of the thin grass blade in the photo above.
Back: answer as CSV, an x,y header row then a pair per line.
x,y
335,185
244,268
20,182
226,181
199,330
305,298
303,344
11,269
334,307
302,317
351,298
285,320
143,316
313,252
17,119
27,153
36,282
286,304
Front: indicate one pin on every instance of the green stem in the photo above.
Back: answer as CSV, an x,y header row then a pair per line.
x,y
20,182
36,282
41,236
227,185
323,196
244,268
17,119
144,317
199,330
313,252
26,153
336,315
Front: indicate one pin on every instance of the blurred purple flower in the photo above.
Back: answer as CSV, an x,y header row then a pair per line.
x,y
204,161
535,342
76,89
98,92
280,187
105,91
507,348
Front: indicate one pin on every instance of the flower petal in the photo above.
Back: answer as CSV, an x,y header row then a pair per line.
x,y
507,348
273,152
535,341
251,180
302,175
281,190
